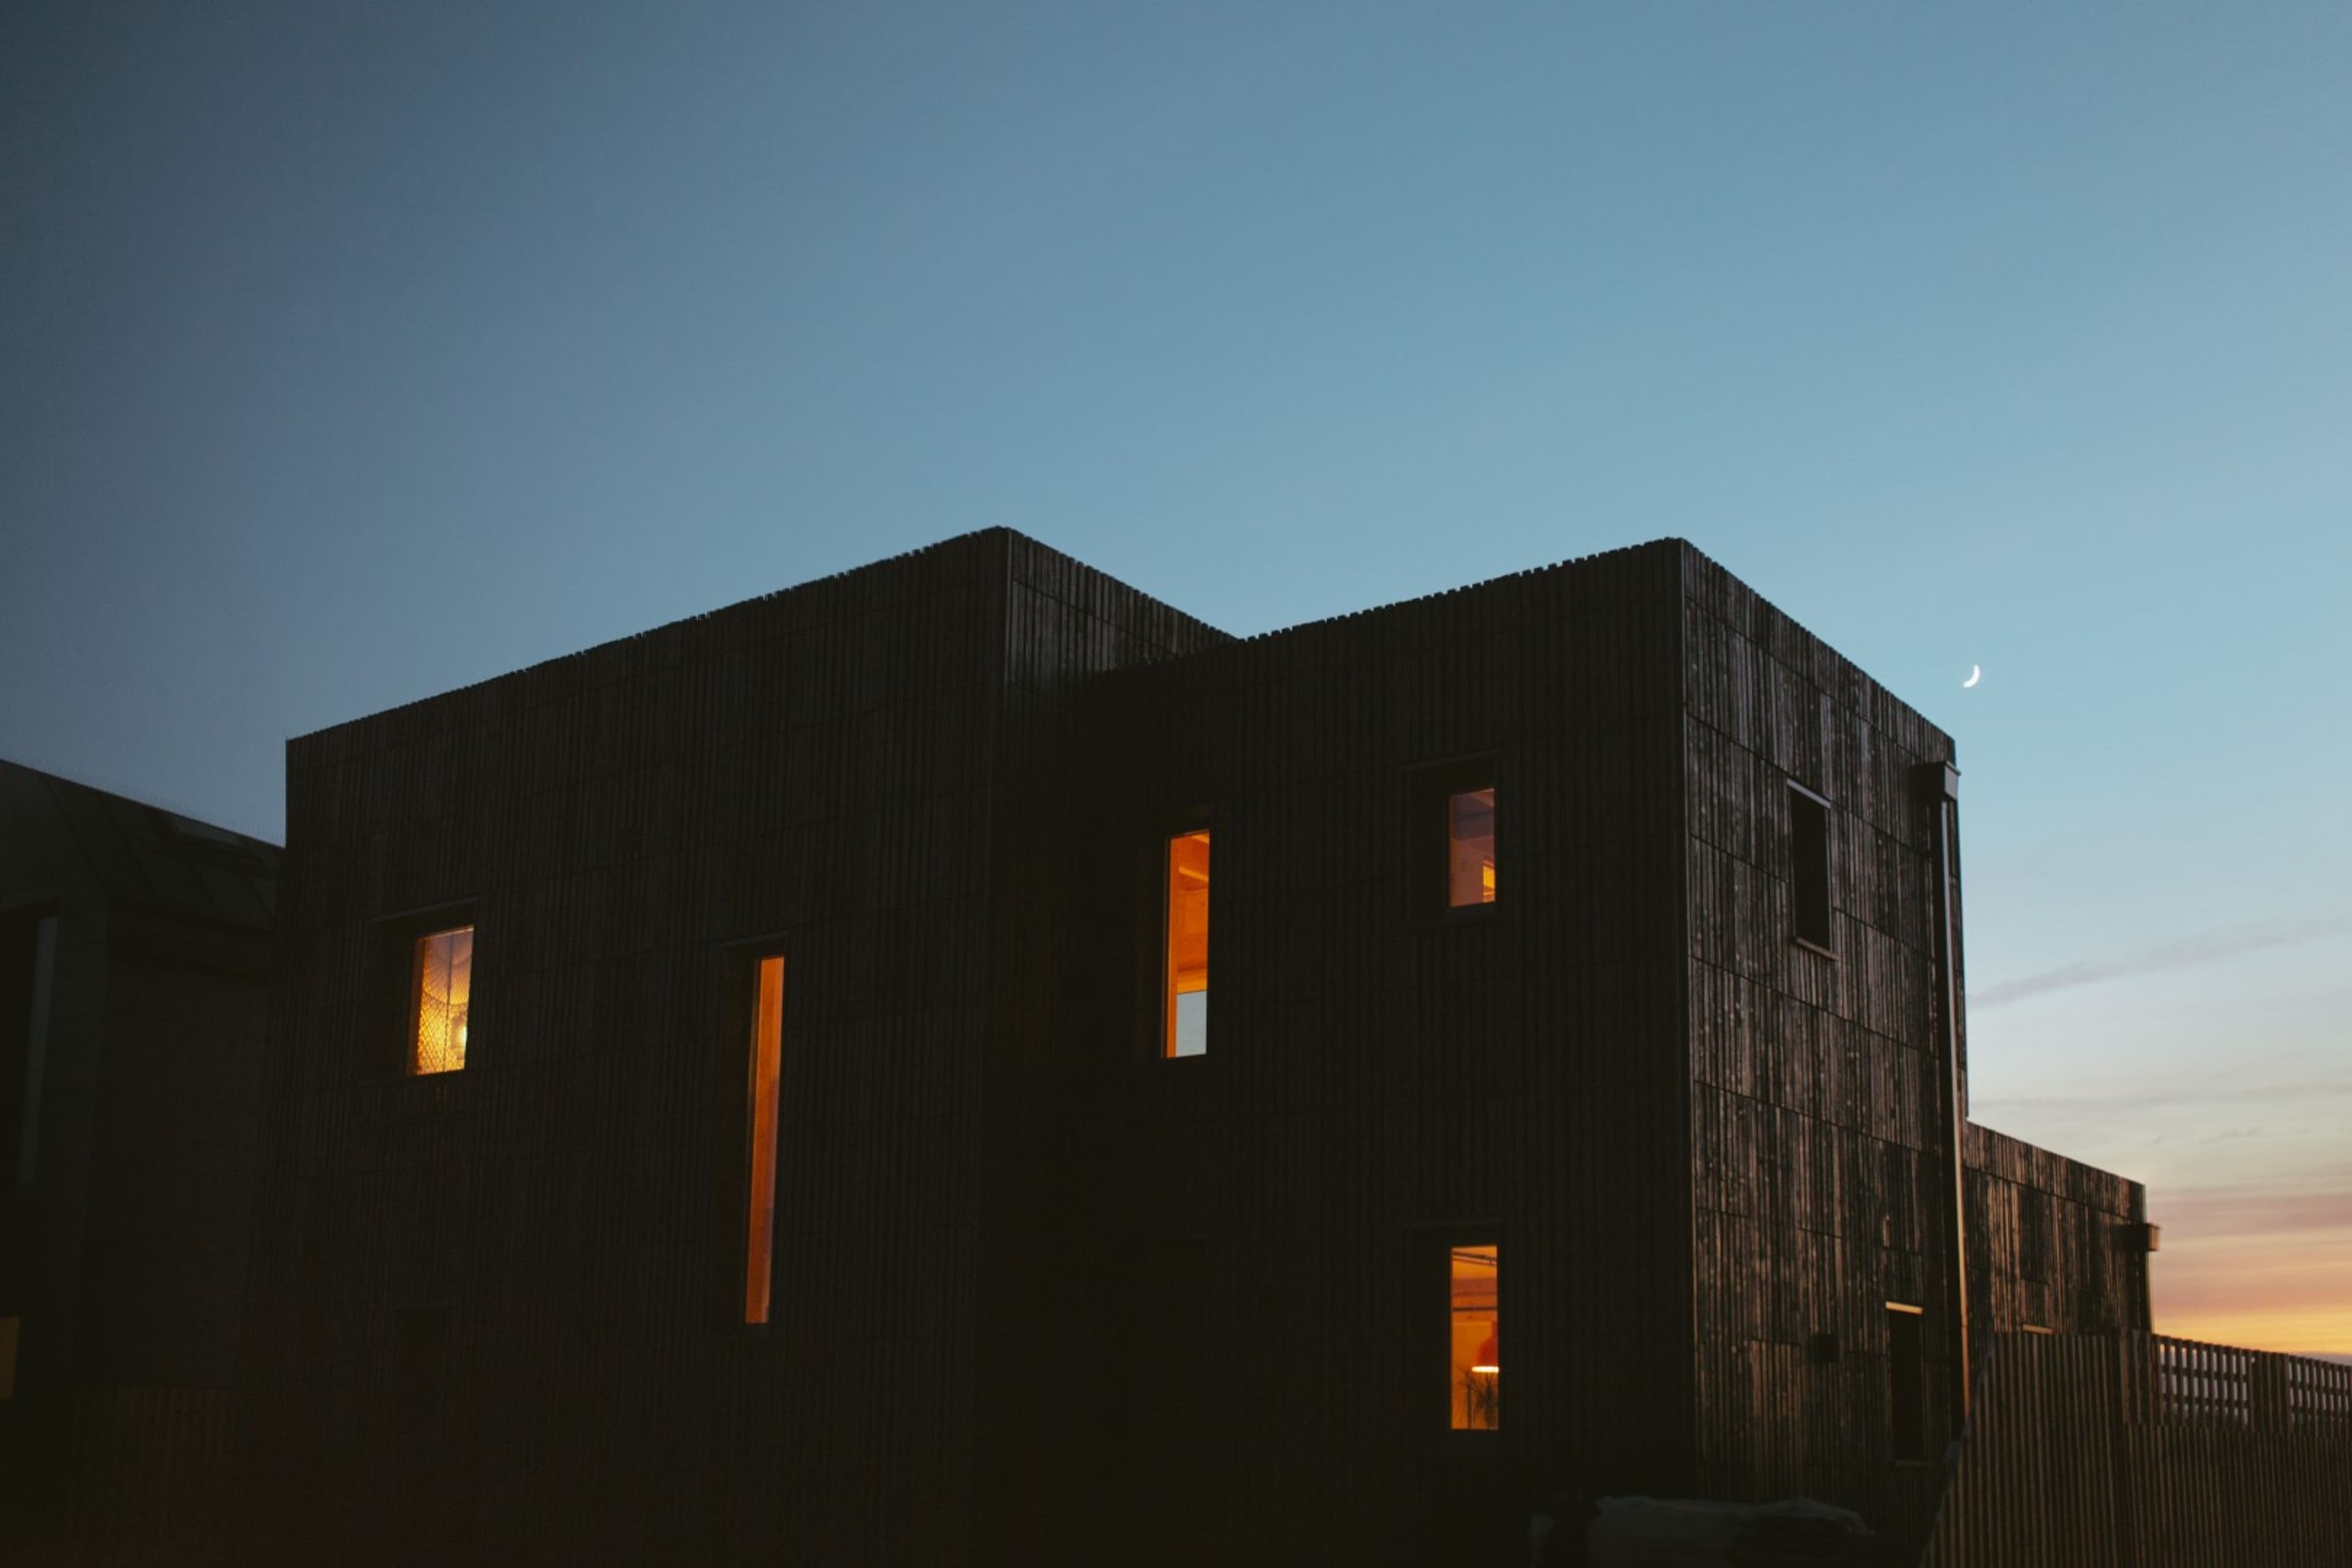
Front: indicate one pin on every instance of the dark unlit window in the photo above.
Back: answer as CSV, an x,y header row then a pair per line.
x,y
1475,1347
1809,866
27,962
1470,848
440,996
1184,994
1906,1377
8,1326
763,1064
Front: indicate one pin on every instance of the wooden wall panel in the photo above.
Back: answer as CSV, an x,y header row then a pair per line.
x,y
818,768
1375,1076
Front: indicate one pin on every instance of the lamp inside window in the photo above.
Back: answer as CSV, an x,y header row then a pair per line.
x,y
439,996
1476,1324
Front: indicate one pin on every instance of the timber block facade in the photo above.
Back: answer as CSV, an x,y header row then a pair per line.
x,y
751,1091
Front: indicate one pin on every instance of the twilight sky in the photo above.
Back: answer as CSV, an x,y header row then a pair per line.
x,y
351,352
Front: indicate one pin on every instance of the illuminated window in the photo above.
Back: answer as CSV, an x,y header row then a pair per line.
x,y
439,994
1184,1013
1809,866
1476,1357
1906,1376
763,1062
1450,860
1470,848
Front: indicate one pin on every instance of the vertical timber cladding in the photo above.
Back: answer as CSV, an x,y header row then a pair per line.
x,y
1379,1076
813,768
2051,1241
1813,1090
1040,1291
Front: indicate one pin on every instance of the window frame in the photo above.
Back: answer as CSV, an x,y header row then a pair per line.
x,y
735,981
1801,869
33,933
389,991
1433,1249
1152,930
1907,1443
1428,833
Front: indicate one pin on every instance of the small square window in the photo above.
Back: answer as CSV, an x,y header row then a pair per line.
x,y
440,995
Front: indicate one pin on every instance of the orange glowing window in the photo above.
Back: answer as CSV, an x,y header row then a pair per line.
x,y
1476,1346
1470,848
764,1061
439,994
1184,1010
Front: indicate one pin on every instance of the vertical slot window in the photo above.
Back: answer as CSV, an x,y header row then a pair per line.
x,y
8,1357
1184,1011
1474,1326
28,947
1907,1375
1809,868
440,993
764,1062
1470,848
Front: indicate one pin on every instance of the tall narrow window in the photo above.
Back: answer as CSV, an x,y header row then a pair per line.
x,y
1907,1373
1475,1356
8,1357
27,962
1470,848
764,1061
1809,868
439,996
1184,1013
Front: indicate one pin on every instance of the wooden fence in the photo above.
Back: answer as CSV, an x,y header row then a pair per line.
x,y
2139,1451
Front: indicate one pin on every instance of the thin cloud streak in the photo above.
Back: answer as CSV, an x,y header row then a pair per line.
x,y
2156,1097
2216,946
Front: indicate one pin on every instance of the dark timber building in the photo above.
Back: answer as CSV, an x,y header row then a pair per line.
x,y
856,1163
134,980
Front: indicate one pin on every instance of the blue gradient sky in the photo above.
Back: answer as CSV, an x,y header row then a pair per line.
x,y
352,352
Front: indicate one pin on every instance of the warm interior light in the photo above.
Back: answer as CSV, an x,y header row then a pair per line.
x,y
1185,1021
766,1061
1477,1361
1470,848
439,1000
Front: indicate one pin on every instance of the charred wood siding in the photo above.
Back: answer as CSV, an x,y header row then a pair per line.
x,y
2051,1242
815,769
1815,1135
1377,1074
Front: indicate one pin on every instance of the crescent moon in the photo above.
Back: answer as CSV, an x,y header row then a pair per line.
x,y
1976,673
